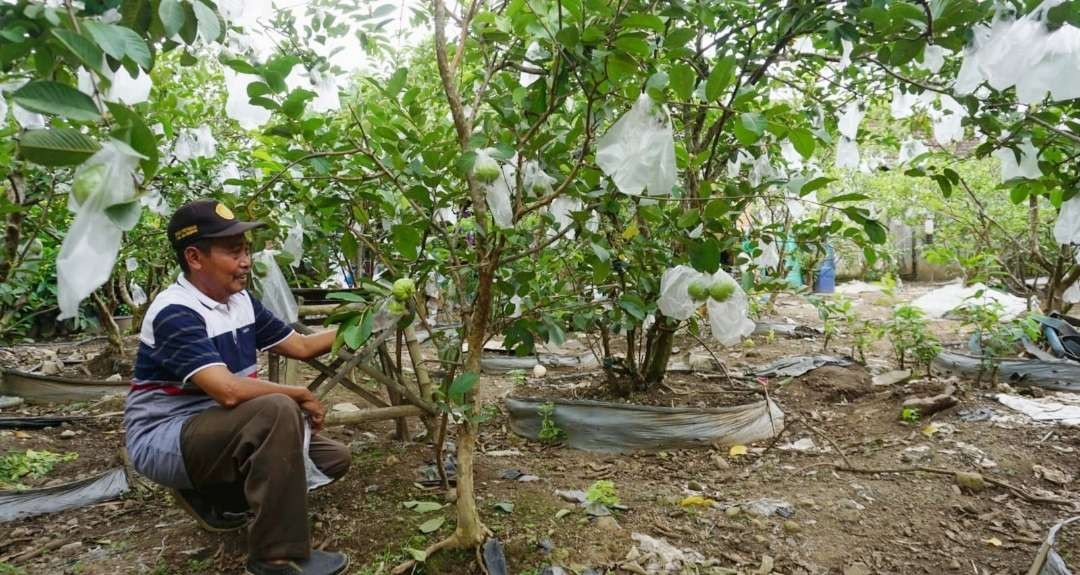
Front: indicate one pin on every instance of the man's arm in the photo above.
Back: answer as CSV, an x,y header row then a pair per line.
x,y
231,390
299,346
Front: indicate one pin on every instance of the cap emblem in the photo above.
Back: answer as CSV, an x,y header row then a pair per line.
x,y
224,211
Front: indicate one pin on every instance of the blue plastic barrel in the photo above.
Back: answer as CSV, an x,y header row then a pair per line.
x,y
826,274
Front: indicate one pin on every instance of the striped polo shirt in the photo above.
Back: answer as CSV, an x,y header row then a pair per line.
x,y
185,331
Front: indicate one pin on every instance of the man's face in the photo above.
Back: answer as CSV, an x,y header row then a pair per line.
x,y
225,267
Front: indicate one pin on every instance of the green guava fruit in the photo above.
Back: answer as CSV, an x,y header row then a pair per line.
x,y
722,290
698,290
403,289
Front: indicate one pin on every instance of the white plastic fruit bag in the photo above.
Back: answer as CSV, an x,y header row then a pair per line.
x,y
485,168
229,171
294,239
103,199
1027,167
274,289
933,58
850,118
314,476
948,120
533,55
138,295
498,197
326,93
729,319
638,151
1067,226
847,154
238,105
911,149
561,208
674,301
535,180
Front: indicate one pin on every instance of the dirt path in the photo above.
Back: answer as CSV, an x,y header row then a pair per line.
x,y
830,522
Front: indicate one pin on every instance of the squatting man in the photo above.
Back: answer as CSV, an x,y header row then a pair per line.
x,y
198,419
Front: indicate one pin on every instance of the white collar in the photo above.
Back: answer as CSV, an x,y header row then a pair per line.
x,y
204,299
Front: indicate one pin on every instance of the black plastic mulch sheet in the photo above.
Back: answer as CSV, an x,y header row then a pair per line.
x,y
1057,375
616,427
37,421
104,487
798,365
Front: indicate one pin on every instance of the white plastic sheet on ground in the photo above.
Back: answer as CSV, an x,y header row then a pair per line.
x,y
938,303
276,295
850,118
1063,408
499,197
847,154
911,149
948,120
638,151
1026,168
1067,226
662,558
561,208
108,209
238,106
1025,53
729,319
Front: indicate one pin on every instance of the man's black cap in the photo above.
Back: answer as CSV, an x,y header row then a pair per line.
x,y
200,219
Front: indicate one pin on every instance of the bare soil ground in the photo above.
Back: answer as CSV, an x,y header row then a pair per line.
x,y
843,522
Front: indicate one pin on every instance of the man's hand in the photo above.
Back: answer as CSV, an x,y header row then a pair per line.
x,y
315,410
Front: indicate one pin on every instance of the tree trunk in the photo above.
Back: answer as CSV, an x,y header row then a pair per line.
x,y
112,331
659,354
13,229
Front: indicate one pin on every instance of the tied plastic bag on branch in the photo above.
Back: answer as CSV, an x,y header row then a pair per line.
x,y
682,289
498,194
903,104
103,198
933,58
561,208
847,154
229,171
533,55
294,240
948,120
138,295
848,123
238,105
1067,226
276,295
1026,168
1031,53
911,149
535,179
638,152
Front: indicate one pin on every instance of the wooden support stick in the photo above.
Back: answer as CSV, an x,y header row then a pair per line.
x,y
374,414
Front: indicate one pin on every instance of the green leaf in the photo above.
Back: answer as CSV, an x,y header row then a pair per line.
x,y
803,141
719,78
754,122
397,82
681,79
56,147
209,25
58,99
632,305
432,525
462,385
904,51
133,131
406,240
814,184
346,296
633,45
850,197
417,555
875,231
422,506
293,106
647,21
705,256
349,246
504,506
1018,194
172,16
86,51
118,42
